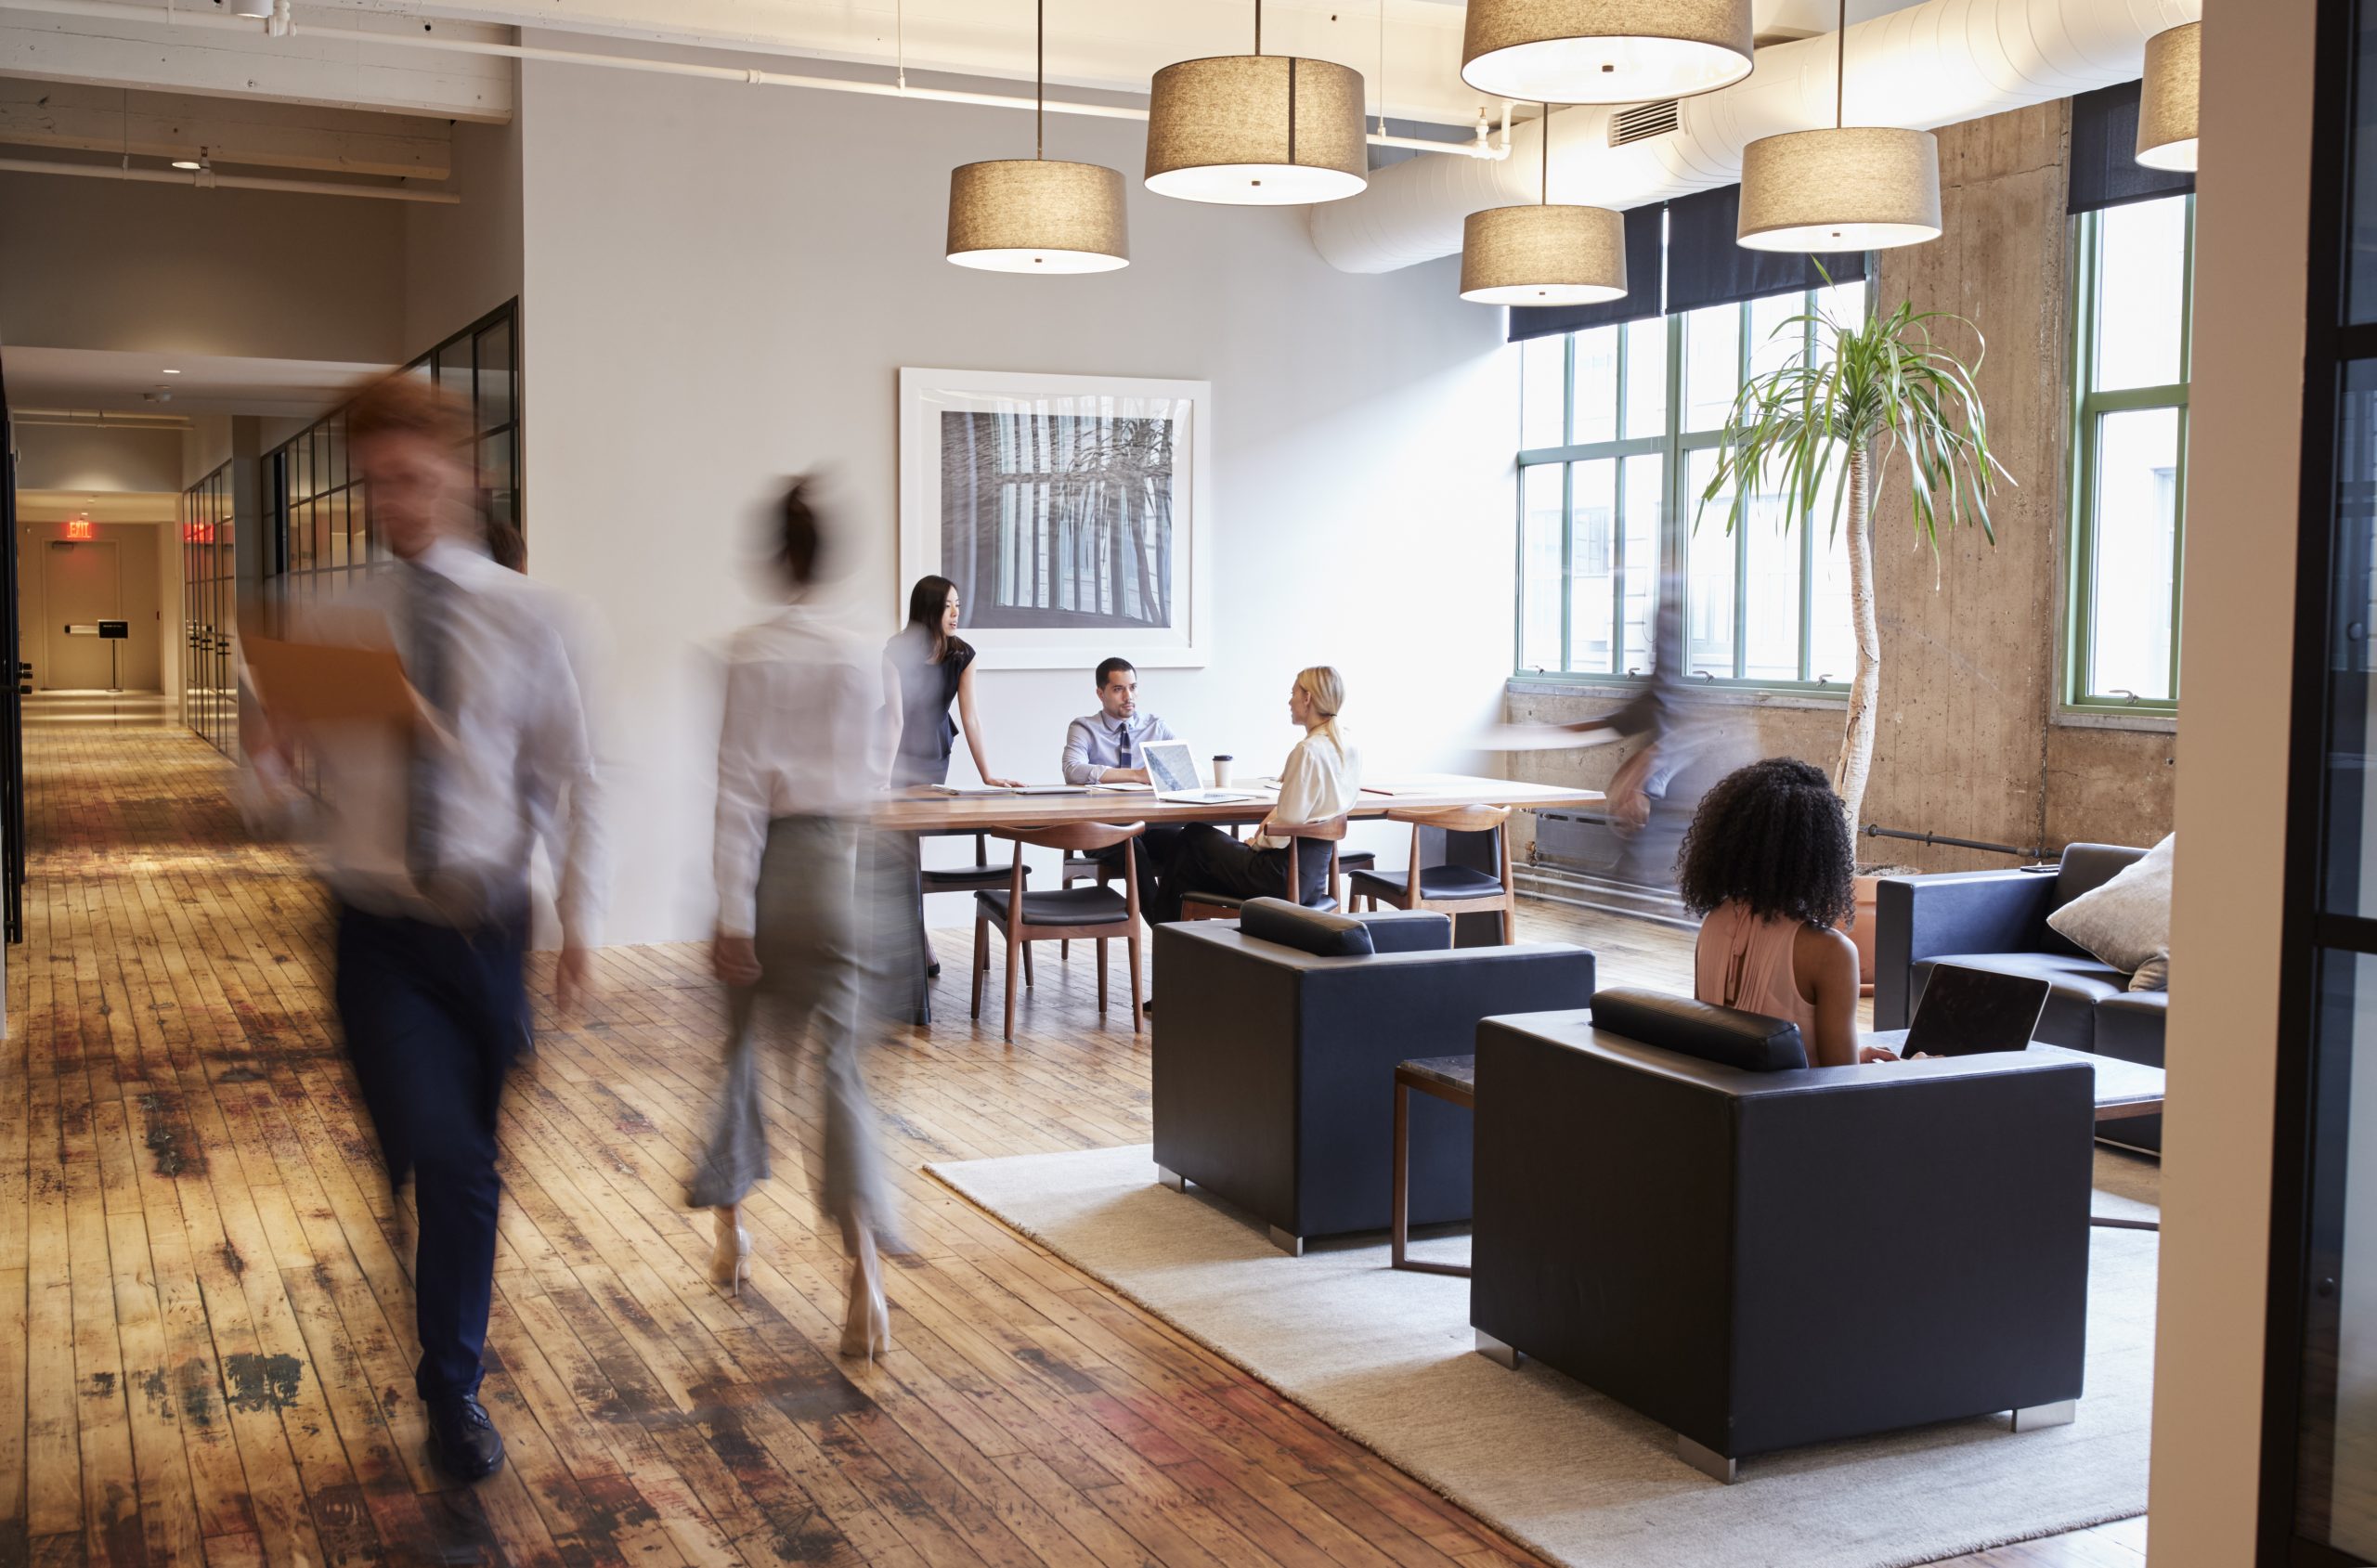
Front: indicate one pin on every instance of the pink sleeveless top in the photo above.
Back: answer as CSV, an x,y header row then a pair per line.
x,y
1745,961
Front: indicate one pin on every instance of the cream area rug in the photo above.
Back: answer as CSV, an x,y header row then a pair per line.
x,y
1386,1356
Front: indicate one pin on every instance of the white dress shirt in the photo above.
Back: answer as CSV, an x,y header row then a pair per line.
x,y
1322,779
802,738
1094,744
519,762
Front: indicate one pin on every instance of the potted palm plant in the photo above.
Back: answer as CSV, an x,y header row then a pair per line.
x,y
1857,397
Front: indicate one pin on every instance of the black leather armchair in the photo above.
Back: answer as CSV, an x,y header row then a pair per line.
x,y
1763,1259
1997,920
1274,1059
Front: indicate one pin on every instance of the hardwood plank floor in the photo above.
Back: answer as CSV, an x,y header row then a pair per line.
x,y
205,1331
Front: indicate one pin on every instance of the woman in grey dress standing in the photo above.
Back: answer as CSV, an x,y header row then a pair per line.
x,y
797,763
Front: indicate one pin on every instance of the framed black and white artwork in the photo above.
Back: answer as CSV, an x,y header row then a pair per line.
x,y
1069,510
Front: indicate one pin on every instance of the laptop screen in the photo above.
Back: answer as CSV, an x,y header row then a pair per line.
x,y
1171,766
1967,1011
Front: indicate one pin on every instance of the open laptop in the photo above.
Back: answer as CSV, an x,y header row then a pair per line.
x,y
1966,1012
1173,768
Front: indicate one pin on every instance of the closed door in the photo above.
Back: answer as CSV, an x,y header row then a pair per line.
x,y
79,587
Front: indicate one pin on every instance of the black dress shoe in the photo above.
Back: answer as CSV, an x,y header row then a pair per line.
x,y
462,1440
933,970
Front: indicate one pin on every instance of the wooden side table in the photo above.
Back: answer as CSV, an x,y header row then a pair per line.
x,y
1454,1081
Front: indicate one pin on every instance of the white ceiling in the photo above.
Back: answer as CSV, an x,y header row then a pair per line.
x,y
1103,45
116,381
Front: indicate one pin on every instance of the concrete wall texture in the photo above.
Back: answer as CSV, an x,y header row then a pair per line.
x,y
1969,743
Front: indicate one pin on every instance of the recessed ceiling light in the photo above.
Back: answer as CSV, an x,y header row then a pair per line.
x,y
172,372
190,164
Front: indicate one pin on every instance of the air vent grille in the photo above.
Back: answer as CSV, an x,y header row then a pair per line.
x,y
1642,122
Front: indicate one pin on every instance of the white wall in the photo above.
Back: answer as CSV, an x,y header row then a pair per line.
x,y
157,268
2244,432
720,288
463,261
98,457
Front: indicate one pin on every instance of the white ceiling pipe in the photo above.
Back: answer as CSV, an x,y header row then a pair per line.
x,y
1478,147
1932,64
207,179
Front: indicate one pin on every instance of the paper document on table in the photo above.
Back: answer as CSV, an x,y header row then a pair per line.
x,y
314,683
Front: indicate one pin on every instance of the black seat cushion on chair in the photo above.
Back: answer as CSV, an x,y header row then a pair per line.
x,y
1074,906
1435,882
1322,933
1351,861
1725,1035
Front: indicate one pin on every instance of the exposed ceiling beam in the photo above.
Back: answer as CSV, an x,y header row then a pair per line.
x,y
321,65
1107,45
278,136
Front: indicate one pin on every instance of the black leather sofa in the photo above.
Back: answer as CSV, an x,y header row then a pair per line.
x,y
1276,1047
1997,920
1765,1259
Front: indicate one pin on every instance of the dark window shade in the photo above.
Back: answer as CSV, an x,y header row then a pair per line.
x,y
2105,170
1641,299
1707,265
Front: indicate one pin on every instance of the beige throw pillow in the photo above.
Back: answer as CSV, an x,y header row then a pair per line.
x,y
2126,923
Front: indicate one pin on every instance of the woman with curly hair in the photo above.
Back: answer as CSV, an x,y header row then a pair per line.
x,y
1768,865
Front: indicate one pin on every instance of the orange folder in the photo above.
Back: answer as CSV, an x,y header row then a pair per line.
x,y
314,683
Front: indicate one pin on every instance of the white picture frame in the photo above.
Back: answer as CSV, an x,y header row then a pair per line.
x,y
1075,518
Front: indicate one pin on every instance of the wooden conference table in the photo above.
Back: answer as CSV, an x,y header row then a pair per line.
x,y
928,810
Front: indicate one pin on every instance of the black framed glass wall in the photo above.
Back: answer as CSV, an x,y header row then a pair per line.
x,y
318,512
479,366
2319,1492
210,611
1621,428
2132,289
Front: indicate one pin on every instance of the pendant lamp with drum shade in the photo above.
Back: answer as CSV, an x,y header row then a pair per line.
x,y
1038,214
1543,255
1605,51
1851,187
2166,100
1256,130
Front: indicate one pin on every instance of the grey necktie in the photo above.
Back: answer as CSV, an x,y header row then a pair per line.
x,y
429,604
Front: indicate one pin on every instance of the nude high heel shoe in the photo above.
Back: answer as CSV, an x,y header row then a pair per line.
x,y
866,1327
730,1260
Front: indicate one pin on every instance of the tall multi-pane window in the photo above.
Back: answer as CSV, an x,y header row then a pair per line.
x,y
2129,453
1621,430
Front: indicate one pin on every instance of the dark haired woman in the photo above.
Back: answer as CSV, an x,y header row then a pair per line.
x,y
797,767
929,666
1768,864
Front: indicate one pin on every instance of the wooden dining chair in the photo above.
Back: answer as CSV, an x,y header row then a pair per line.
x,y
1225,906
1449,889
1095,914
984,873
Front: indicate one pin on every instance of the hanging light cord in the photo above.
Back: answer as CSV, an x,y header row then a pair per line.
x,y
1543,195
1258,26
1040,77
900,41
1382,66
1840,68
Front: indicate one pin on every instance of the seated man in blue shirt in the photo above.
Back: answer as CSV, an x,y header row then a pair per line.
x,y
1108,747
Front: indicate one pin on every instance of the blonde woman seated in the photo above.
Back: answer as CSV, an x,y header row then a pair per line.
x,y
1769,864
1322,778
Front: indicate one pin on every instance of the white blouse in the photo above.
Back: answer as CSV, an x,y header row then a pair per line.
x,y
1322,779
